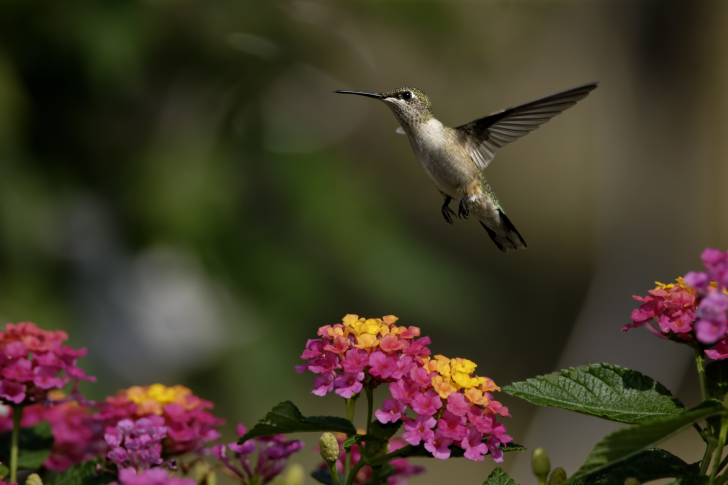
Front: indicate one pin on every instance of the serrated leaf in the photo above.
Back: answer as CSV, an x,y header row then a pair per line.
x,y
645,466
85,474
381,433
384,431
603,390
622,444
35,445
286,418
353,440
499,477
324,476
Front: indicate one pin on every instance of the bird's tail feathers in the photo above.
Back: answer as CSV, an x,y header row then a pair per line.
x,y
507,236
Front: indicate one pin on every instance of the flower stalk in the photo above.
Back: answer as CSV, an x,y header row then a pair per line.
x,y
17,417
719,449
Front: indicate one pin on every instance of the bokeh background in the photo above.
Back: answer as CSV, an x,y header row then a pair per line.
x,y
181,191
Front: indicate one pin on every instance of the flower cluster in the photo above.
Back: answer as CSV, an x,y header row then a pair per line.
x,y
273,454
403,469
137,444
693,310
152,476
452,407
77,436
711,312
186,417
34,361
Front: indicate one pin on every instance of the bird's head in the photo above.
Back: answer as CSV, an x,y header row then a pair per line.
x,y
409,104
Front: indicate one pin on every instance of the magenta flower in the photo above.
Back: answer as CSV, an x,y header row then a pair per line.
x,y
381,365
439,446
152,476
451,426
419,429
473,445
136,445
356,361
34,361
426,403
273,456
324,384
404,390
458,404
392,410
370,352
347,385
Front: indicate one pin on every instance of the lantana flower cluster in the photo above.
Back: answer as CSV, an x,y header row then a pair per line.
x,y
34,361
451,406
403,469
136,444
693,310
186,417
273,454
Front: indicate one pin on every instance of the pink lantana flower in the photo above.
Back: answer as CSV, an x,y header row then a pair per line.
x,y
694,310
392,410
447,399
187,418
419,429
35,361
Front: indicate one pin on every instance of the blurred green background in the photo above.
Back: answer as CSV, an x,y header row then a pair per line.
x,y
181,191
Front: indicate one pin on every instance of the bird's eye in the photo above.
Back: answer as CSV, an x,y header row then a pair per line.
x,y
406,95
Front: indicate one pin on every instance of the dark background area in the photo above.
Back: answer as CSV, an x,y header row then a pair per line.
x,y
181,191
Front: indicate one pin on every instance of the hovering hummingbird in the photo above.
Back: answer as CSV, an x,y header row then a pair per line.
x,y
454,158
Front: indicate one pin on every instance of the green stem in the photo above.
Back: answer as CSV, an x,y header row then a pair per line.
x,y
719,450
350,477
334,473
700,362
709,449
375,475
370,407
17,416
350,408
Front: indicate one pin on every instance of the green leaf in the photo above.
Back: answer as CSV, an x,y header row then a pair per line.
x,y
85,474
4,470
353,440
499,477
384,431
35,445
624,443
603,390
286,418
324,476
645,466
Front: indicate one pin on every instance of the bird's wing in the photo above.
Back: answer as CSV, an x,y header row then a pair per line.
x,y
485,136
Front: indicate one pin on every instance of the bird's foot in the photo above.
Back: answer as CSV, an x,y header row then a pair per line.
x,y
447,212
464,210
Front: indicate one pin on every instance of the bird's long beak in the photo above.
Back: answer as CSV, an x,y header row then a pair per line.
x,y
363,93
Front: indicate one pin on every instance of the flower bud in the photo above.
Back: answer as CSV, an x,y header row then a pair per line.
x,y
540,464
33,479
329,447
558,476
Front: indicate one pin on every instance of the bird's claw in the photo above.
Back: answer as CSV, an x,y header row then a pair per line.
x,y
447,212
463,209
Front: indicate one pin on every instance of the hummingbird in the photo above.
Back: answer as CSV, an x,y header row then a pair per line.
x,y
454,158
